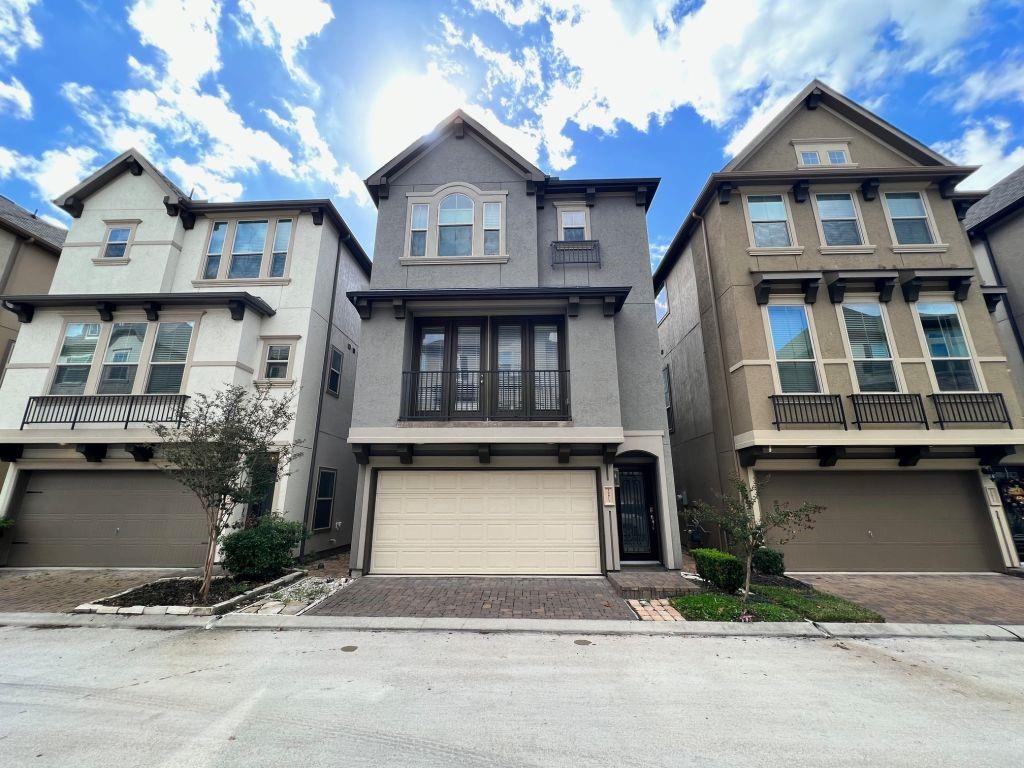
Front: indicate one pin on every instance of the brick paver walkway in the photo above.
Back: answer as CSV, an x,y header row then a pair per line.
x,y
61,589
933,599
658,609
477,597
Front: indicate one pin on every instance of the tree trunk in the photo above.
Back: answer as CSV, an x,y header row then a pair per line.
x,y
746,580
211,551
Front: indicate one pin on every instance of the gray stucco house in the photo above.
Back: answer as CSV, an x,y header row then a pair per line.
x,y
509,417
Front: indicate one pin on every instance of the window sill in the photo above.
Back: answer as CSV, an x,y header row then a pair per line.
x,y
432,261
274,382
824,166
243,281
921,248
788,251
111,262
845,249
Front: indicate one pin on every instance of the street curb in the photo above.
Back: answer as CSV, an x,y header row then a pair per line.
x,y
279,623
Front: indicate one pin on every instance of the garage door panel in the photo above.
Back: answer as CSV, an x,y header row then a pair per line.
x,y
888,521
493,521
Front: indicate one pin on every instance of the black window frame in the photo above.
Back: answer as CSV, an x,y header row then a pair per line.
x,y
331,370
317,498
666,383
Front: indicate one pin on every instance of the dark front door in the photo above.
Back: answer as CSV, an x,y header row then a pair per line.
x,y
638,526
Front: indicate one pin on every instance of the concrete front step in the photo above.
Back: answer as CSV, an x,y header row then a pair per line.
x,y
650,584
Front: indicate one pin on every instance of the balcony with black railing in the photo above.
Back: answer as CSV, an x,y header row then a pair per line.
x,y
808,409
72,410
569,252
485,395
970,408
888,408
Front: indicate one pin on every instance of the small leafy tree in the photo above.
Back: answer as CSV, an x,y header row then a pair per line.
x,y
746,533
224,450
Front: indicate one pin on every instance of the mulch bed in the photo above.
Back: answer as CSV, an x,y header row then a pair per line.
x,y
778,581
183,592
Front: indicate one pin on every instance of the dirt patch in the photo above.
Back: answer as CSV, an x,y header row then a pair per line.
x,y
183,592
778,581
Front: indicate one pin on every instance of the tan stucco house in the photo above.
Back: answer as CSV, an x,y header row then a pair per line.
x,y
826,334
158,297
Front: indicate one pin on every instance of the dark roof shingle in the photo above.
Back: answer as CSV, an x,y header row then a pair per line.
x,y
1002,195
20,219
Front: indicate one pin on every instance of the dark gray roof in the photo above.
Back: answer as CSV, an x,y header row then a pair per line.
x,y
27,225
1003,197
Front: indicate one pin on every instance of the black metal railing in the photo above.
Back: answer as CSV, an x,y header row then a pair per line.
x,y
467,395
808,409
103,409
970,408
888,408
575,252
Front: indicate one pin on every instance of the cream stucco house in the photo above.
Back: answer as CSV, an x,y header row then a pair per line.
x,y
826,333
157,297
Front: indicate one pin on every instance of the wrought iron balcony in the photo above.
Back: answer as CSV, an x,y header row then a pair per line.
x,y
476,395
971,408
103,409
888,408
808,409
575,252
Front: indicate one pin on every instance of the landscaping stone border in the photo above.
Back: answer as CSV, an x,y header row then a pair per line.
x,y
185,610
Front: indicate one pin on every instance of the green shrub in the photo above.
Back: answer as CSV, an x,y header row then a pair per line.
x,y
719,568
769,562
262,551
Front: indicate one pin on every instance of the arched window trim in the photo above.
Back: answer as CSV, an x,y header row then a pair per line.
x,y
433,200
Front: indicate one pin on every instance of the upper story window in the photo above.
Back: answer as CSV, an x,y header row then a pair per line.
x,y
455,221
908,217
455,226
869,347
573,225
793,348
277,360
334,372
121,361
116,244
75,359
168,358
666,385
826,152
255,249
661,308
837,214
769,221
947,345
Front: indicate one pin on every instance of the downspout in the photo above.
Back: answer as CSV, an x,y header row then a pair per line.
x,y
1006,299
320,394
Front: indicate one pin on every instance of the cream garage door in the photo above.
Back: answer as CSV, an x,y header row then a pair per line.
x,y
486,522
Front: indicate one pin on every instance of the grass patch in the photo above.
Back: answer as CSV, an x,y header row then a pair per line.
x,y
772,604
818,606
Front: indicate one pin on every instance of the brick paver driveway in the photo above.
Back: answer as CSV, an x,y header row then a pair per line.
x,y
478,597
61,589
931,598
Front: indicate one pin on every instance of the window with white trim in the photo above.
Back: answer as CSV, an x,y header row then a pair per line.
x,y
869,347
822,153
121,360
573,224
810,157
334,372
323,505
839,222
214,250
418,230
947,346
837,157
793,347
75,358
116,244
279,255
277,360
247,249
492,229
769,221
909,218
455,226
170,352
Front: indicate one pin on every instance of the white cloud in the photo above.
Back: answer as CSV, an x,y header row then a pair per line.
x,y
14,96
185,32
988,144
288,28
998,83
52,173
658,251
16,28
637,63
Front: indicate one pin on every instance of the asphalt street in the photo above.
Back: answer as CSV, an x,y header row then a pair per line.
x,y
128,697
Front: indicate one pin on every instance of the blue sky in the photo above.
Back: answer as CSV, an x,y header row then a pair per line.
x,y
256,99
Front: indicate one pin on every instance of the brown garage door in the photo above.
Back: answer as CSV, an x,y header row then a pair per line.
x,y
888,521
107,518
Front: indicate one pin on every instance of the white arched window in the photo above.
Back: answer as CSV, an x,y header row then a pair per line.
x,y
455,226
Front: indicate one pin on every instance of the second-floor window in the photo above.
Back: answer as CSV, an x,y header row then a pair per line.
x,y
793,348
116,245
666,384
418,230
909,218
75,358
121,360
334,372
769,221
248,250
492,229
573,225
455,226
869,347
947,346
840,224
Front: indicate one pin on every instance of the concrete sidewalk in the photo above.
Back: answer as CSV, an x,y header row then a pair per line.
x,y
272,623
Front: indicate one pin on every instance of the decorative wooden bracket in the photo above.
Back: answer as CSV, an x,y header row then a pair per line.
x,y
609,306
483,452
11,451
574,306
362,453
134,166
398,305
74,206
813,99
152,310
869,189
991,455
93,452
801,191
405,453
140,452
828,455
590,196
641,195
725,190
608,452
564,452
383,189
909,455
237,309
106,310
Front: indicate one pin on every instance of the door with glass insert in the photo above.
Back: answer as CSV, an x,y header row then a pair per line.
x,y
509,396
547,385
467,371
